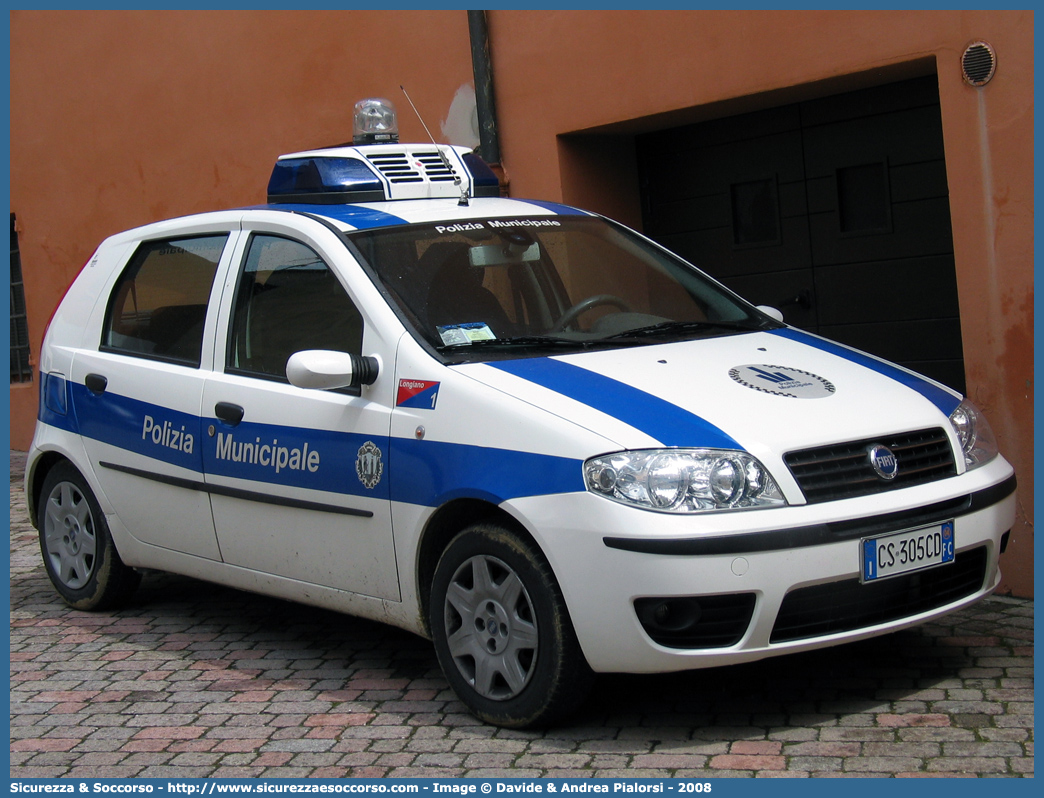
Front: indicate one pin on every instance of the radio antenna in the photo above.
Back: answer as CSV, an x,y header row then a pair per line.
x,y
438,149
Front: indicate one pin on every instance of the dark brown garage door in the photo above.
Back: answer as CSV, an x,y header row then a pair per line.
x,y
835,211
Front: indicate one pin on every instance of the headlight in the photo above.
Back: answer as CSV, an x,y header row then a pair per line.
x,y
683,480
974,434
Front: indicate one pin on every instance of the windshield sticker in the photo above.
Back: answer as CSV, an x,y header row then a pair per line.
x,y
442,229
782,381
421,394
502,223
495,224
453,334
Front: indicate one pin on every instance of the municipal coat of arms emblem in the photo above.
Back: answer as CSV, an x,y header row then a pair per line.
x,y
368,465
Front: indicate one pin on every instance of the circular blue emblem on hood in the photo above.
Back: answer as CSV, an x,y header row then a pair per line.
x,y
782,381
884,462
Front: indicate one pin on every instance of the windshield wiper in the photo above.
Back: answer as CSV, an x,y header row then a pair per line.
x,y
534,342
517,341
682,327
626,338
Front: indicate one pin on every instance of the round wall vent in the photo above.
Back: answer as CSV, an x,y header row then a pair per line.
x,y
978,64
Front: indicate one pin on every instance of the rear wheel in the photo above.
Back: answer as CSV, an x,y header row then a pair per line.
x,y
78,552
502,632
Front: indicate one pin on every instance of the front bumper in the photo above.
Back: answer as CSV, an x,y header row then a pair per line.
x,y
786,579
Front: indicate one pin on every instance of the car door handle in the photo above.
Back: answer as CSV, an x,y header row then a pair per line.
x,y
96,383
228,412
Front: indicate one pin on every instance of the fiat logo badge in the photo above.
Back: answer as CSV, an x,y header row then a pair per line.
x,y
884,462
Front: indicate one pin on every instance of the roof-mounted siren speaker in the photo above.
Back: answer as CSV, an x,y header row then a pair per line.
x,y
978,64
375,122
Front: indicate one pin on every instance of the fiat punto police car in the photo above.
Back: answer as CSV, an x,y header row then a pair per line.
x,y
517,428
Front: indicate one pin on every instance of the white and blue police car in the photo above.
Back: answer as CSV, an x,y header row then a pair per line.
x,y
514,427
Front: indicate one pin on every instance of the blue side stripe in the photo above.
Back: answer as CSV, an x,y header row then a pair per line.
x,y
940,397
285,455
355,215
427,473
656,417
53,408
431,473
120,421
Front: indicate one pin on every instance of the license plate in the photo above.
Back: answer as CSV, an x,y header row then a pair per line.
x,y
913,550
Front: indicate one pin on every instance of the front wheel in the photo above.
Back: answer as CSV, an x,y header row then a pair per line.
x,y
78,552
502,632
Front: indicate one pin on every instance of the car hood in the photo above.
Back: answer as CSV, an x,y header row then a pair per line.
x,y
765,392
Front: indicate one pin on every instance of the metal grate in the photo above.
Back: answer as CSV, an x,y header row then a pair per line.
x,y
402,166
978,64
843,470
21,368
848,605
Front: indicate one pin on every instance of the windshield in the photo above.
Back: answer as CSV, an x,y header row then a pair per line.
x,y
492,288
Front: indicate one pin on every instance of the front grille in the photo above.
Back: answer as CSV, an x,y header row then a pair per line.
x,y
845,606
400,166
696,621
843,470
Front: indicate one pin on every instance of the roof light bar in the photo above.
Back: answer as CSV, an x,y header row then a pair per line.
x,y
324,181
364,174
377,168
484,181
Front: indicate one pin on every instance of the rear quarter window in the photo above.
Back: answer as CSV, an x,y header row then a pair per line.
x,y
159,303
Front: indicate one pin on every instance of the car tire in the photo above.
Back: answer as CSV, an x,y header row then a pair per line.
x,y
78,552
502,632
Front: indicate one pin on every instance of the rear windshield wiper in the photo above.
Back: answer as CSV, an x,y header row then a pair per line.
x,y
682,327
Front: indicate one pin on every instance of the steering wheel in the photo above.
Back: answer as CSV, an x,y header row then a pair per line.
x,y
585,305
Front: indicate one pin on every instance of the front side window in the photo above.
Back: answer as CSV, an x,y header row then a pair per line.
x,y
504,287
159,303
288,300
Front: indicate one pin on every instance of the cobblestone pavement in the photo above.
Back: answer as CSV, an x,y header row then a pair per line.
x,y
196,680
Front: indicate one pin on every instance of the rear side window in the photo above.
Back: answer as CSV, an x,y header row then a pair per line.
x,y
159,303
288,300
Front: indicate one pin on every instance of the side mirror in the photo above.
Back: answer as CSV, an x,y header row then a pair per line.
x,y
325,369
772,312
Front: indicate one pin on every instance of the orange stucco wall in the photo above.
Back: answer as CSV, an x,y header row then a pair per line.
x,y
610,74
120,118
